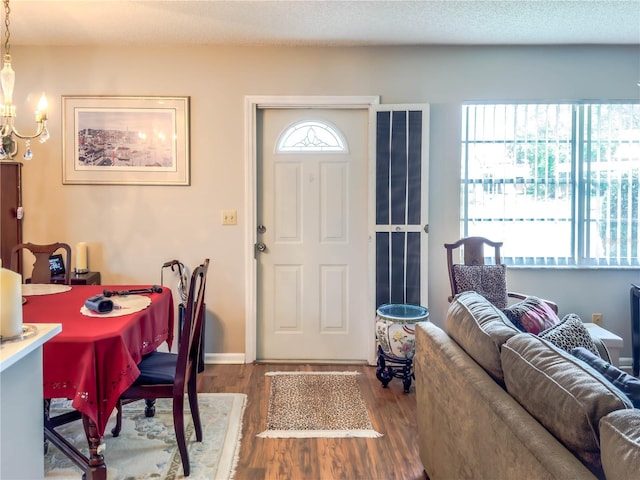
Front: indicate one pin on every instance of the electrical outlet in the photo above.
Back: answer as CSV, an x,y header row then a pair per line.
x,y
596,318
229,217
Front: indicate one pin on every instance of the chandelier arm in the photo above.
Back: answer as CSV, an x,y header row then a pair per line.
x,y
41,126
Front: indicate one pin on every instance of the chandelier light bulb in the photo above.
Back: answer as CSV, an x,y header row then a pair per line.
x,y
42,103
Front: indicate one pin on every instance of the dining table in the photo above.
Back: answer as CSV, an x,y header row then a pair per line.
x,y
94,359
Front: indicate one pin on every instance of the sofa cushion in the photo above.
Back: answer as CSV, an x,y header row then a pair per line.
x,y
490,281
480,328
564,394
569,334
531,315
627,384
620,444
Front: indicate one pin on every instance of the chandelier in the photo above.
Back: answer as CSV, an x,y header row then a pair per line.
x,y
9,145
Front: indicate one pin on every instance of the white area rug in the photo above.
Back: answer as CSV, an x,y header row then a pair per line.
x,y
146,447
316,404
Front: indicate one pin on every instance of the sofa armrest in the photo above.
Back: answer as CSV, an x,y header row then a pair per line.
x,y
602,349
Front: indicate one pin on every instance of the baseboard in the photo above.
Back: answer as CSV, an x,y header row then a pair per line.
x,y
224,358
239,358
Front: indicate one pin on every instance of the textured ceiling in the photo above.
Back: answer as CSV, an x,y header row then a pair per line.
x,y
322,22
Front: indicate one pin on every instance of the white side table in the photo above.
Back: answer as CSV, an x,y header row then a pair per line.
x,y
21,407
611,341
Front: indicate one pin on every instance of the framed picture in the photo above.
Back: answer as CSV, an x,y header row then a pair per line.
x,y
56,264
125,140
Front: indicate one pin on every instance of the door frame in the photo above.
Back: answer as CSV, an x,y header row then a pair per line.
x,y
253,103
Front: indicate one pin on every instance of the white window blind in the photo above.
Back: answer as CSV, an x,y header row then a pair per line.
x,y
557,183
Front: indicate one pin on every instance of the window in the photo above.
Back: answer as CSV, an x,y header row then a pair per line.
x,y
558,183
311,136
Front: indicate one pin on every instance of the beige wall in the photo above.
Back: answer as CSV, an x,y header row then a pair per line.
x,y
132,230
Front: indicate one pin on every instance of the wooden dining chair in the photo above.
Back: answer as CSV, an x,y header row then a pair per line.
x,y
169,375
490,278
41,268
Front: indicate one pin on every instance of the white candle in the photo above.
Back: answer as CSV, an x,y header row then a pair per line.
x,y
81,256
10,303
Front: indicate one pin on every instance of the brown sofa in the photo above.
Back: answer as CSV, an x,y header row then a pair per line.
x,y
471,426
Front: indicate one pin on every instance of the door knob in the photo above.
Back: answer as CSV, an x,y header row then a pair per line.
x,y
261,247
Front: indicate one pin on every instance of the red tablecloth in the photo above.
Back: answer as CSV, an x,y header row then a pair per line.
x,y
94,360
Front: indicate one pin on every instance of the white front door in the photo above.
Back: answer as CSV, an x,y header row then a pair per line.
x,y
312,256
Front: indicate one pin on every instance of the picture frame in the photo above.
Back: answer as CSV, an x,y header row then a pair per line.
x,y
56,264
125,140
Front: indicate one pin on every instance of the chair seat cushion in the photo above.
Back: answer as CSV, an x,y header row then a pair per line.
x,y
157,368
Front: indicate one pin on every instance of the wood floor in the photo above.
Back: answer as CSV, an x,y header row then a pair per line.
x,y
392,412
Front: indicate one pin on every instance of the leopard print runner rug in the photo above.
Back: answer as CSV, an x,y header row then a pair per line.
x,y
316,404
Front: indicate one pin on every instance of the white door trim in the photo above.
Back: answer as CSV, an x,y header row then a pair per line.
x,y
251,105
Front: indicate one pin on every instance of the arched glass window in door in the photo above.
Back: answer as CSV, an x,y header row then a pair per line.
x,y
311,136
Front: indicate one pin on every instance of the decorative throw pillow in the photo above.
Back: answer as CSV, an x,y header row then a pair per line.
x,y
629,385
569,334
490,281
531,315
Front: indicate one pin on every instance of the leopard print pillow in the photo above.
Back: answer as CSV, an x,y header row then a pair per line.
x,y
569,334
490,281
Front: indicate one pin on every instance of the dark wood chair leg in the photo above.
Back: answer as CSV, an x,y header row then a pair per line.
x,y
150,408
178,424
195,409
